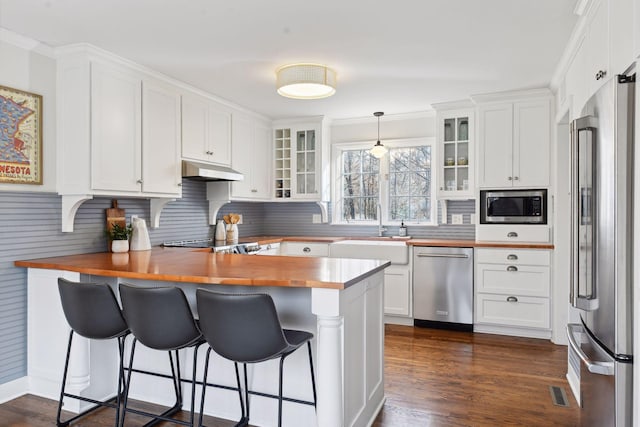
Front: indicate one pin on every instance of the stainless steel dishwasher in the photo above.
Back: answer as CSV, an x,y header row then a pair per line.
x,y
443,287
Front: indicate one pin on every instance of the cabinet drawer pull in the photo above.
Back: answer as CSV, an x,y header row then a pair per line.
x,y
515,178
512,299
306,249
139,181
512,234
512,257
600,74
512,268
509,178
253,190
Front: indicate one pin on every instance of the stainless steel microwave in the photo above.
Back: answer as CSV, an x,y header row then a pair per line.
x,y
513,207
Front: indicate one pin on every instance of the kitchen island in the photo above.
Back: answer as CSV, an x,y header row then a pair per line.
x,y
339,300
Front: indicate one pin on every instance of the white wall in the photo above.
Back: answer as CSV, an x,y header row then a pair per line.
x,y
24,66
414,125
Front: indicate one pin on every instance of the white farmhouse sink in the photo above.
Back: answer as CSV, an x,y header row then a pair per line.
x,y
395,251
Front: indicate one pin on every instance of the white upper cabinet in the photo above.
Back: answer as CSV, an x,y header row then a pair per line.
x,y
301,160
160,137
251,156
597,45
118,129
514,142
455,136
206,130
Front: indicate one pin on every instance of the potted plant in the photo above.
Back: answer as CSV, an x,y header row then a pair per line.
x,y
120,237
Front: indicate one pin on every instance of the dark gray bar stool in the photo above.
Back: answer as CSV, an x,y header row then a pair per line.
x,y
245,328
92,311
160,318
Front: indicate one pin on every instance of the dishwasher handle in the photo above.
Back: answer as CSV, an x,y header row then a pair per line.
x,y
436,255
594,366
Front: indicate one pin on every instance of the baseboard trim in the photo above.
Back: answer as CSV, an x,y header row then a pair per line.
x,y
14,389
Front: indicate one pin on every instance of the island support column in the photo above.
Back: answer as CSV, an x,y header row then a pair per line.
x,y
350,353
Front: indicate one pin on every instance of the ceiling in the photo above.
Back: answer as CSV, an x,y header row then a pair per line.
x,y
393,56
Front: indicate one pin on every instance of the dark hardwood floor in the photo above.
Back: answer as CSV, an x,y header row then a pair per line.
x,y
433,379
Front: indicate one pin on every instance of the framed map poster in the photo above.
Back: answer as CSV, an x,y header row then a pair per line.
x,y
20,137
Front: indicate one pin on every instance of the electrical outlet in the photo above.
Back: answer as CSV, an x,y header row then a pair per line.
x,y
316,218
240,220
456,219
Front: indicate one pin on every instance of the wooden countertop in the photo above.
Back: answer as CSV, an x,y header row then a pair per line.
x,y
198,266
410,242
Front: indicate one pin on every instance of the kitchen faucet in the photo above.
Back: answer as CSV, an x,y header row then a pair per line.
x,y
381,229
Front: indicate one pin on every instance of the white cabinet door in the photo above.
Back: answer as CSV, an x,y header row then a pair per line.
x,y
219,135
397,291
242,155
495,141
261,169
195,143
531,136
206,130
597,45
160,138
251,155
116,133
621,34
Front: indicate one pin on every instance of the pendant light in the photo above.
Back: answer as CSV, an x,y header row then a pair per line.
x,y
378,150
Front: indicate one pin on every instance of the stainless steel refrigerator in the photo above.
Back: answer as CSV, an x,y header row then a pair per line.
x,y
602,253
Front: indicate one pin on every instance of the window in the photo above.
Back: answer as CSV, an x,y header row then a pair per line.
x,y
400,183
410,184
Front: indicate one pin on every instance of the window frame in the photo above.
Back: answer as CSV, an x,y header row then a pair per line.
x,y
384,195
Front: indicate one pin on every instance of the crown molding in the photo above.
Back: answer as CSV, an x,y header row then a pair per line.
x,y
453,105
26,43
387,118
512,95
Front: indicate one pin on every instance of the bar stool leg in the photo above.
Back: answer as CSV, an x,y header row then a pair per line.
x,y
64,382
204,385
280,391
313,377
193,384
121,385
127,383
246,389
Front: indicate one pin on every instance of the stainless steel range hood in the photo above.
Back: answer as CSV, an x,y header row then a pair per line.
x,y
207,172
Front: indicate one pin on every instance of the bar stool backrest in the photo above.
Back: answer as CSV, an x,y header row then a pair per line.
x,y
160,318
240,327
91,309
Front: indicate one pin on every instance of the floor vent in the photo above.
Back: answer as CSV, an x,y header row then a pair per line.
x,y
558,396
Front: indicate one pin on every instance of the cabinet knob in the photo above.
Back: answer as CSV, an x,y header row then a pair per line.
x,y
600,74
306,249
139,181
515,178
509,178
512,234
512,257
512,299
209,152
179,184
253,190
512,268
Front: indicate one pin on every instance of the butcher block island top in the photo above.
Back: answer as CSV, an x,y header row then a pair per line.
x,y
198,266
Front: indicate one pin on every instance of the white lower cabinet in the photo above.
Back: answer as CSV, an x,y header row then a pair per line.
x,y
397,290
513,292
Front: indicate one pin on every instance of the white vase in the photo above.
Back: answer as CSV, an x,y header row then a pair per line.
x,y
139,236
118,246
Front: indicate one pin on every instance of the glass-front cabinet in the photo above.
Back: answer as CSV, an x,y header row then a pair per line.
x,y
455,146
299,168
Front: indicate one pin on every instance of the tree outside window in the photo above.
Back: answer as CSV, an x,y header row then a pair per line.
x,y
408,195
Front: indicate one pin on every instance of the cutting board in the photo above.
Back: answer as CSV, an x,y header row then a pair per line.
x,y
115,215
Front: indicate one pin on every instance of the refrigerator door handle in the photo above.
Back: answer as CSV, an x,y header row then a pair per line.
x,y
580,214
594,366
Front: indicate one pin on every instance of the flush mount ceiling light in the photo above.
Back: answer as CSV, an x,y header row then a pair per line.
x,y
378,150
306,81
